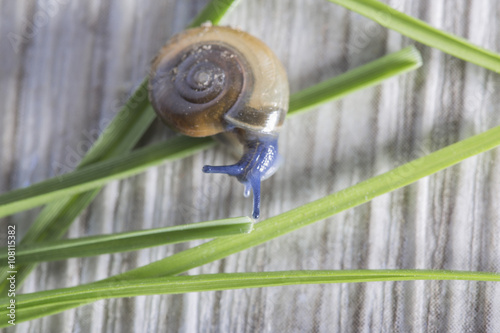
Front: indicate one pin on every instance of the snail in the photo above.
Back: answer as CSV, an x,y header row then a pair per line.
x,y
215,80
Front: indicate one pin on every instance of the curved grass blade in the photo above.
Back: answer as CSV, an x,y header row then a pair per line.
x,y
358,78
99,173
423,32
214,12
127,241
305,215
119,137
39,304
320,209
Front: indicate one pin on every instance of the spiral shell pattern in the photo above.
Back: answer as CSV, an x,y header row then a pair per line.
x,y
213,79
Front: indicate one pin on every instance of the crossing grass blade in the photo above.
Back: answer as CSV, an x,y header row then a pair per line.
x,y
157,277
127,241
99,173
121,135
113,168
356,79
423,32
320,209
39,304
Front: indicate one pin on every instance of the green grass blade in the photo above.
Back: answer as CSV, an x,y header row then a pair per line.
x,y
319,209
35,305
358,78
214,12
137,161
127,241
100,173
125,130
120,136
423,32
55,218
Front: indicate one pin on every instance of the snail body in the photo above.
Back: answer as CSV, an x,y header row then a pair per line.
x,y
211,80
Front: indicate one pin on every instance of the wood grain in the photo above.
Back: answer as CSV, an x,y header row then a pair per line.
x,y
67,66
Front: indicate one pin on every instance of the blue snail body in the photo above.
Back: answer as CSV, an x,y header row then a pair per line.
x,y
211,80
259,161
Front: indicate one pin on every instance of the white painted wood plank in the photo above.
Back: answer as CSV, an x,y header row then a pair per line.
x,y
70,74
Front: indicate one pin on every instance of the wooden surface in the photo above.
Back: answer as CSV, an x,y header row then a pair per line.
x,y
69,72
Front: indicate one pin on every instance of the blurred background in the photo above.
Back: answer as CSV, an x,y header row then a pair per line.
x,y
67,66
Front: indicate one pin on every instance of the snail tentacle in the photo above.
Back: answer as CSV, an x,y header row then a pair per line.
x,y
258,160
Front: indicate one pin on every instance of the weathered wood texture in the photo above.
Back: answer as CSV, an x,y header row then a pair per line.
x,y
78,60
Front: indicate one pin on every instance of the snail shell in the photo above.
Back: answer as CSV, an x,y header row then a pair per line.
x,y
212,80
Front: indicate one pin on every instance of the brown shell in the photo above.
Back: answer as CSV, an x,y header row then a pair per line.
x,y
209,80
